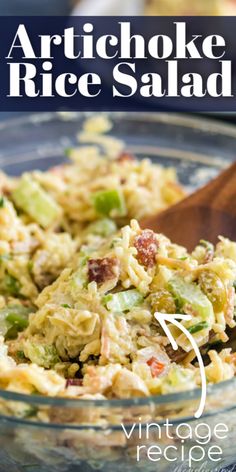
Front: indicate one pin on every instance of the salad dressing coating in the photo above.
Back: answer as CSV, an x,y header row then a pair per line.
x,y
80,283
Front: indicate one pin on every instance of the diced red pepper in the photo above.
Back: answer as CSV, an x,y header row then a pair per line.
x,y
156,366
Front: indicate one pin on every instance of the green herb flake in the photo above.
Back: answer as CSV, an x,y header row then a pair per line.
x,y
198,327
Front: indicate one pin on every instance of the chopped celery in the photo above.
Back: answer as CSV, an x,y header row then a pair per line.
x,y
198,327
188,293
18,319
33,199
104,227
41,354
122,301
109,202
13,318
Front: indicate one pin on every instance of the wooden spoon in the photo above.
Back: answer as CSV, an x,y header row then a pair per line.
x,y
206,214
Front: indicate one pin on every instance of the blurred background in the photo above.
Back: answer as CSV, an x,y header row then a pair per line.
x,y
118,7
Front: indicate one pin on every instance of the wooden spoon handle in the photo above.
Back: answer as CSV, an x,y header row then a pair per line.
x,y
206,214
219,194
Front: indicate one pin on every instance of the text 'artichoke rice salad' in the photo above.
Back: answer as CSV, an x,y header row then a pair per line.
x,y
80,281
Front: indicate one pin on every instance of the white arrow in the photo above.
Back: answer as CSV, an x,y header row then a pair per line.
x,y
162,318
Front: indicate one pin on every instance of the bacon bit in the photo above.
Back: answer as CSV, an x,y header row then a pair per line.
x,y
175,356
125,157
74,383
146,245
101,270
156,366
229,312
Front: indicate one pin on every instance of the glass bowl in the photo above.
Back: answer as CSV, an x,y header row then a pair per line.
x,y
61,435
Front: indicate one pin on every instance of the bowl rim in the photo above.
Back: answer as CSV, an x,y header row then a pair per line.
x,y
202,124
165,399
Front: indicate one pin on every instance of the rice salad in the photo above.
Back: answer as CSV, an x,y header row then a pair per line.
x,y
80,282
